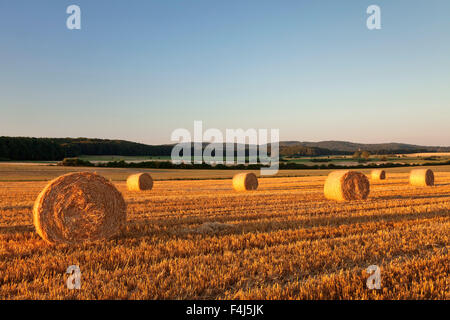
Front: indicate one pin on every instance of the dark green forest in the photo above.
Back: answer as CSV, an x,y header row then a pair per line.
x,y
34,149
56,149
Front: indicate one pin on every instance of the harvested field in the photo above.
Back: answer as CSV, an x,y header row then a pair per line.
x,y
199,239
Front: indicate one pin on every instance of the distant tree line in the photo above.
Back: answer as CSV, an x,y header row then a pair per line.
x,y
33,149
56,149
75,162
97,147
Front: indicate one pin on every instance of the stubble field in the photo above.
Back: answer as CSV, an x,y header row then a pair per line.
x,y
199,239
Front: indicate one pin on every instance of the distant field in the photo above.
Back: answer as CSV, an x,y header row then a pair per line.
x,y
417,158
202,240
144,158
41,172
429,154
122,158
347,160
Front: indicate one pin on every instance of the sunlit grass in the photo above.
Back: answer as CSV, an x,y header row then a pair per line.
x,y
283,241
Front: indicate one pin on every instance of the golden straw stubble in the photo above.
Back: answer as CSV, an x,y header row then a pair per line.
x,y
245,181
421,177
79,207
139,182
345,185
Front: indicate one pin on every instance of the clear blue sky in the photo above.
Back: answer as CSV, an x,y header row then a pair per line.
x,y
137,70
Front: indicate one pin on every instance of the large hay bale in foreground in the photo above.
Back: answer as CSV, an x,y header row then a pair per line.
x,y
378,174
245,181
421,177
140,182
345,185
79,207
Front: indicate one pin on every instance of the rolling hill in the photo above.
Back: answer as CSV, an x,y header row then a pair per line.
x,y
48,149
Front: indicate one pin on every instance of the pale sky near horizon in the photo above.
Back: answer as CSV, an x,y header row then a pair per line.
x,y
137,70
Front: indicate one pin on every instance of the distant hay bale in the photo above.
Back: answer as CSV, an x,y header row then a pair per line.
x,y
345,185
421,177
245,181
78,207
378,174
140,182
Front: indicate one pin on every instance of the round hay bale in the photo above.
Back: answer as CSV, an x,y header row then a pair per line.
x,y
140,182
346,185
378,174
245,181
421,177
78,207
